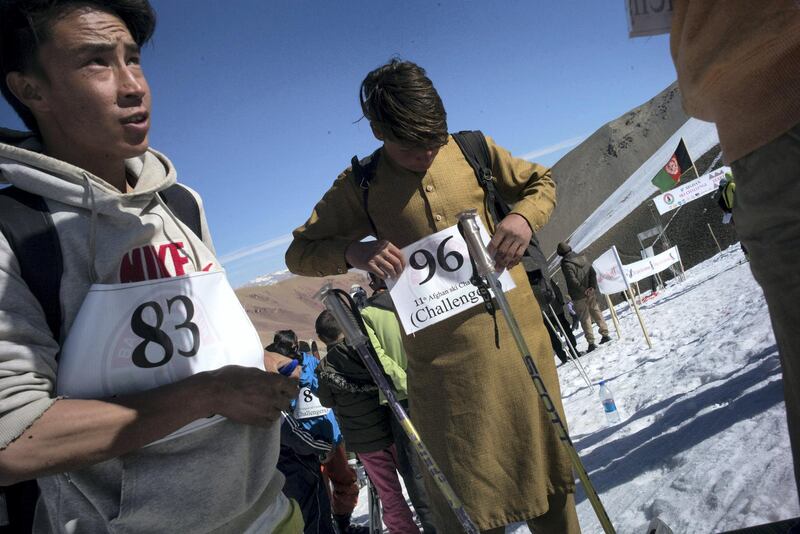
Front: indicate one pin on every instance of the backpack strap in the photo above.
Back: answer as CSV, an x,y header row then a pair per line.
x,y
476,151
183,204
26,223
363,173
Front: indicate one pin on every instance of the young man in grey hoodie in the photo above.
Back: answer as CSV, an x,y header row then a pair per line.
x,y
152,410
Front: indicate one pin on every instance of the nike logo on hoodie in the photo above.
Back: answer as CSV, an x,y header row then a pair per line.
x,y
152,262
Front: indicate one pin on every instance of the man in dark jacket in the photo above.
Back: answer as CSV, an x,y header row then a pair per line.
x,y
582,287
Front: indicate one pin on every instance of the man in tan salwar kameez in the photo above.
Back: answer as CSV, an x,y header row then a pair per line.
x,y
473,404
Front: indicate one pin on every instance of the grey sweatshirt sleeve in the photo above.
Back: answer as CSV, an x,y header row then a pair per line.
x,y
27,352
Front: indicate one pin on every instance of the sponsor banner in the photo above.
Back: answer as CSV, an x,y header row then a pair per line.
x,y
689,191
648,17
435,284
641,269
610,275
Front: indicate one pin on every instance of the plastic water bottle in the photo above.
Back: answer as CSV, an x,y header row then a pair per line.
x,y
609,406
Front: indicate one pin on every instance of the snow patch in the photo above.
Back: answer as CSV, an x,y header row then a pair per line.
x,y
702,443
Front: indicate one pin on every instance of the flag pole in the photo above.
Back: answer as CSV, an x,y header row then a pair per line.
x,y
633,300
570,356
641,321
715,237
613,315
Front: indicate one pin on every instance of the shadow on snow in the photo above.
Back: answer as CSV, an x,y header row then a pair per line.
x,y
623,459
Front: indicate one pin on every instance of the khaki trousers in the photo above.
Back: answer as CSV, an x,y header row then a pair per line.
x,y
588,310
767,215
561,518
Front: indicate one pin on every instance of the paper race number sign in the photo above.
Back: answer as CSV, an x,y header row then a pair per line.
x,y
435,284
308,405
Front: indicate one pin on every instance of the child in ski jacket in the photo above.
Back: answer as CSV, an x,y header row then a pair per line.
x,y
346,385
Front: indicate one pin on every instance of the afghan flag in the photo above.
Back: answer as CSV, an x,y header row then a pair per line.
x,y
670,175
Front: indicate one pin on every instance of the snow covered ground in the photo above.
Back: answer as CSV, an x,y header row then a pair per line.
x,y
702,442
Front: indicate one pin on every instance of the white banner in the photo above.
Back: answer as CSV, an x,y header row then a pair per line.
x,y
435,284
648,17
689,191
610,275
641,269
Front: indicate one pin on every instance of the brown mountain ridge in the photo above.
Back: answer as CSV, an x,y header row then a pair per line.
x,y
290,303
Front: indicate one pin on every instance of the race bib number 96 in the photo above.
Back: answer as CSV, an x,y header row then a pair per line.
x,y
436,282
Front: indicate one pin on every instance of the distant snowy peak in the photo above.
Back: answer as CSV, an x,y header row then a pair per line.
x,y
270,279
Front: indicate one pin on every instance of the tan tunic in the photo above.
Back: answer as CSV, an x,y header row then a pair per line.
x,y
474,405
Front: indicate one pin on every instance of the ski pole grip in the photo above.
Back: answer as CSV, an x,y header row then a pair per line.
x,y
343,316
468,226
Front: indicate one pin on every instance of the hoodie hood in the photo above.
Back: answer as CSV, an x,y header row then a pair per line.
x,y
23,164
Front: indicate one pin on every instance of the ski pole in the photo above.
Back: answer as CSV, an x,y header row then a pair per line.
x,y
486,274
570,356
572,348
375,519
352,326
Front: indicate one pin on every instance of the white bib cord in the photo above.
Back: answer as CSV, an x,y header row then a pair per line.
x,y
93,276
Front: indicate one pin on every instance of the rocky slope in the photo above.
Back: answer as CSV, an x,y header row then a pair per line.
x,y
290,303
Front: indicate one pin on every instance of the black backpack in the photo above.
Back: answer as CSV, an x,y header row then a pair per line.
x,y
476,151
26,223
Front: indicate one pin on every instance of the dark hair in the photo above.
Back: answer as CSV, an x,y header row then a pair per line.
x,y
284,342
327,328
25,26
401,101
303,346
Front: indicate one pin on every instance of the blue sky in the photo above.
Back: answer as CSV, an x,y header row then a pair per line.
x,y
256,102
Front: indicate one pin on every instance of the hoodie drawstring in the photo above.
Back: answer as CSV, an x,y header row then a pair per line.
x,y
93,277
